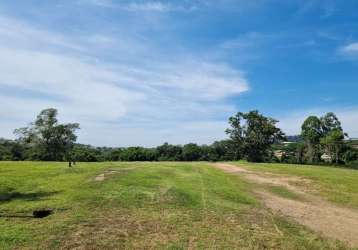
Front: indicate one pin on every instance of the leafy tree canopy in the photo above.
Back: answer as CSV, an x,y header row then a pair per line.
x,y
253,134
53,141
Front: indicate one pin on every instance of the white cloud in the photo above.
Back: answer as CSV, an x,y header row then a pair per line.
x,y
172,132
100,3
247,40
17,33
251,45
123,102
326,8
83,86
165,6
350,50
145,6
149,6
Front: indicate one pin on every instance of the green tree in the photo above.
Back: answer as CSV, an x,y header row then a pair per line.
x,y
350,154
299,154
312,133
52,141
86,153
226,150
333,143
6,148
330,122
138,154
333,136
168,152
253,134
191,152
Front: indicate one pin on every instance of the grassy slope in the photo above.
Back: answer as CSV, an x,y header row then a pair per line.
x,y
335,184
141,205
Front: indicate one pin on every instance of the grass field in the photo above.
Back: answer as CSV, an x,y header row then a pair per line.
x,y
154,206
338,185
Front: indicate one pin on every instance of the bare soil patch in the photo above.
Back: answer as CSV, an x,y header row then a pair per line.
x,y
100,177
314,212
231,168
110,172
114,230
321,216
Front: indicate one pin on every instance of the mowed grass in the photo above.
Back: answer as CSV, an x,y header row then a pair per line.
x,y
335,184
139,206
283,192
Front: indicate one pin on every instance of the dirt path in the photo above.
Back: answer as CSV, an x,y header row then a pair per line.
x,y
314,212
99,177
109,172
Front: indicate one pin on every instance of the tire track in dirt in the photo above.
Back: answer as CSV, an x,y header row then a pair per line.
x,y
314,212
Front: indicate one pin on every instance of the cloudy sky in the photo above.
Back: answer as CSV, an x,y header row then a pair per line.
x,y
135,72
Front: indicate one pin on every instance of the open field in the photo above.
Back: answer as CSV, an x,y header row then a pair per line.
x,y
168,205
338,185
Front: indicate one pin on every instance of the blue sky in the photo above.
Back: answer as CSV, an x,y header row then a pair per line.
x,y
137,72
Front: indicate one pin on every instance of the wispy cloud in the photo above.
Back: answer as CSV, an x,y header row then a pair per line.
x,y
99,3
130,94
145,71
175,6
17,33
146,6
150,6
326,8
349,50
250,39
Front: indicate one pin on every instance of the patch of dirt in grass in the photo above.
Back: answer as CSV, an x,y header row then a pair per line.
x,y
187,229
110,172
231,168
113,230
314,212
321,216
292,183
100,177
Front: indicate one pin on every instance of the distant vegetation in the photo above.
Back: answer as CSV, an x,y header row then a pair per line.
x,y
252,137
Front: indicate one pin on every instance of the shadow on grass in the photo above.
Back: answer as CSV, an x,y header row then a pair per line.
x,y
16,216
32,196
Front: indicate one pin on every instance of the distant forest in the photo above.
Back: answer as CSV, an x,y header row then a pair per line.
x,y
251,136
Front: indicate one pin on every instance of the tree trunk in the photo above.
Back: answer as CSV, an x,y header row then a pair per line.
x,y
310,152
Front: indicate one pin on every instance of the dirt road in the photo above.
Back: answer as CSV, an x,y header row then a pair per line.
x,y
312,211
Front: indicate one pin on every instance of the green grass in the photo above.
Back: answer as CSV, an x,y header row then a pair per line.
x,y
335,184
139,206
283,192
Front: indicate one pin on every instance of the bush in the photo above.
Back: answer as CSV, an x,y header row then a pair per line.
x,y
352,164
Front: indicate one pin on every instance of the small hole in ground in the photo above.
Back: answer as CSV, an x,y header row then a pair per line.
x,y
42,213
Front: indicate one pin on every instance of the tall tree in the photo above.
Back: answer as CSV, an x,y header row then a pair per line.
x,y
333,136
330,122
51,140
167,152
253,134
333,143
312,133
191,152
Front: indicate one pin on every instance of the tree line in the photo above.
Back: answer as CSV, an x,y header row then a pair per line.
x,y
252,136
